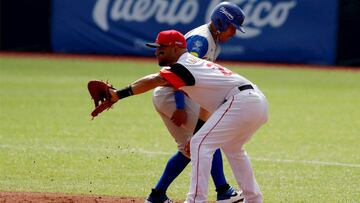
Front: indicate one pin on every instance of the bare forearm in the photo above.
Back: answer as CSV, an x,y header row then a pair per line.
x,y
147,83
140,86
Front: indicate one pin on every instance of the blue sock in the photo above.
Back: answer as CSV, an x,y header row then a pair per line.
x,y
217,171
174,167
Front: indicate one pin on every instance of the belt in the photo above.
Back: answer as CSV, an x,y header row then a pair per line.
x,y
240,88
245,87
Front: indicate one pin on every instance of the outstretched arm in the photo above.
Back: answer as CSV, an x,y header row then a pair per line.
x,y
147,83
140,86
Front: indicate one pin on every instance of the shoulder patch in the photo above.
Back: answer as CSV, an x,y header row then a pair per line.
x,y
198,45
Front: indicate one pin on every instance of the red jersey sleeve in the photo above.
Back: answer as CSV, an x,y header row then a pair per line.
x,y
172,78
178,75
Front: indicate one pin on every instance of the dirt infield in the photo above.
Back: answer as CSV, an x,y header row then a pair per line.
x,y
28,197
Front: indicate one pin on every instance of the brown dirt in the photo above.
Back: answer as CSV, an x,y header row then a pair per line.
x,y
28,197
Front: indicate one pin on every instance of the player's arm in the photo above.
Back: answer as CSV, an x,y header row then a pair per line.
x,y
148,82
140,86
176,75
197,45
179,116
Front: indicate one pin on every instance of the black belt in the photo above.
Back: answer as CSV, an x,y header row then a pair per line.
x,y
241,88
245,87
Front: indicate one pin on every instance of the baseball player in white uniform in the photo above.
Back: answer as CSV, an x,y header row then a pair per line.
x,y
236,107
180,114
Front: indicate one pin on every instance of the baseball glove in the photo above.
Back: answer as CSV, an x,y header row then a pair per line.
x,y
99,91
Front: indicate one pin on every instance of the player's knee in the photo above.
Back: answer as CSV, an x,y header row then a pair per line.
x,y
156,103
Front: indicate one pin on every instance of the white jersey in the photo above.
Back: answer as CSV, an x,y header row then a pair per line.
x,y
200,43
205,82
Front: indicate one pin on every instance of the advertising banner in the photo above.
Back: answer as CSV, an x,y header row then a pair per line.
x,y
289,31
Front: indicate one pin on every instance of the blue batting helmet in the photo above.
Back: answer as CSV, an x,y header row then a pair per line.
x,y
227,13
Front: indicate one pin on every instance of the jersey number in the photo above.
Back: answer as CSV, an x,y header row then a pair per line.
x,y
223,70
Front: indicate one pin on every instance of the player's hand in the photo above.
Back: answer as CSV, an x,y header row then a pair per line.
x,y
179,117
114,96
187,149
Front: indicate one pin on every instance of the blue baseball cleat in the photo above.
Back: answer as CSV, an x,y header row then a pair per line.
x,y
157,197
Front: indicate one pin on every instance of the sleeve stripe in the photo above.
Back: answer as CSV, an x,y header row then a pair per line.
x,y
172,78
183,73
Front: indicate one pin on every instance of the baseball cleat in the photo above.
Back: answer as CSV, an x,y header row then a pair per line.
x,y
230,196
166,201
158,197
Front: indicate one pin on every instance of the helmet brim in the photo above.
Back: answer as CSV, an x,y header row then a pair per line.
x,y
240,28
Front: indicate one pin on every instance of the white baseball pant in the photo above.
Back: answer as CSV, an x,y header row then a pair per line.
x,y
229,128
164,102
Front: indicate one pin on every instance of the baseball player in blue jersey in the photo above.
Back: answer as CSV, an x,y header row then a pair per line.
x,y
236,110
183,117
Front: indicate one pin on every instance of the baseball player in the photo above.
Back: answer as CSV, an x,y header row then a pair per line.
x,y
236,108
181,115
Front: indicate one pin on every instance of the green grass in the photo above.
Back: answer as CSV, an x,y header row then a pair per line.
x,y
308,151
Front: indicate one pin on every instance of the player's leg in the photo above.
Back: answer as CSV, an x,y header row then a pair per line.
x,y
241,167
203,146
179,161
221,129
217,172
174,167
224,191
251,117
165,105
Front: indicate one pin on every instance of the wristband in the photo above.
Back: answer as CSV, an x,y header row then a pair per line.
x,y
179,99
126,92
